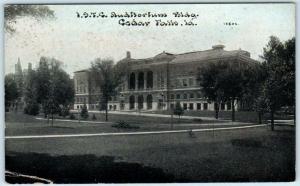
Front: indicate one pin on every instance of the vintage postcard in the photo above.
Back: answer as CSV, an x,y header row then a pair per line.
x,y
149,93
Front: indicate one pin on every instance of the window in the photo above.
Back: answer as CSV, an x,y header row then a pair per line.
x,y
149,101
204,106
228,106
122,105
191,95
140,102
177,96
191,107
115,107
132,81
141,80
222,106
131,102
198,106
184,96
216,105
184,106
184,82
110,107
150,79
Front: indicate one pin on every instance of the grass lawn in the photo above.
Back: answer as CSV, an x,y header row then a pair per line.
x,y
21,124
255,154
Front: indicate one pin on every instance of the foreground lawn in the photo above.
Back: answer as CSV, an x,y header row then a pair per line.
x,y
255,154
20,124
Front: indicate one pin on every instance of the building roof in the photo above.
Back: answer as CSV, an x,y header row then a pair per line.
x,y
217,52
84,70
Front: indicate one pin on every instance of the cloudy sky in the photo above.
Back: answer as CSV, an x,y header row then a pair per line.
x,y
77,41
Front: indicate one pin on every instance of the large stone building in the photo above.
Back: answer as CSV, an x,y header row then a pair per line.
x,y
157,83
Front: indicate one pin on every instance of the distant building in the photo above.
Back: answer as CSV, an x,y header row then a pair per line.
x,y
20,76
157,83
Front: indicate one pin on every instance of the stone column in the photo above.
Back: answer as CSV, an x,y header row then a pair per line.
x,y
126,81
136,80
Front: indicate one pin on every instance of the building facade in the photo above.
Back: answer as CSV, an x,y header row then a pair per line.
x,y
159,82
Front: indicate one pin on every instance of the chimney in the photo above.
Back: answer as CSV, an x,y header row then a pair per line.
x,y
218,47
29,66
128,55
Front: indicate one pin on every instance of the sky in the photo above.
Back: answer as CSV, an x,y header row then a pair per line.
x,y
78,41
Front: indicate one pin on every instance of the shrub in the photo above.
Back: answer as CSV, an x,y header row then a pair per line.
x,y
32,109
124,125
64,111
178,110
94,117
72,116
84,112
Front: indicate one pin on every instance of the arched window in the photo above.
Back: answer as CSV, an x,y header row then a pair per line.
x,y
140,102
149,102
141,80
131,102
132,81
149,79
122,105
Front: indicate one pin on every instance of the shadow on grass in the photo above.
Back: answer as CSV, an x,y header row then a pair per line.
x,y
246,143
83,169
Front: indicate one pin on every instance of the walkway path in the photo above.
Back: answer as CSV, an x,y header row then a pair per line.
x,y
74,120
177,124
132,133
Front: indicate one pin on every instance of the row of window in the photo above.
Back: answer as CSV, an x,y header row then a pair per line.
x,y
185,96
186,106
112,107
140,80
81,99
201,106
81,89
190,106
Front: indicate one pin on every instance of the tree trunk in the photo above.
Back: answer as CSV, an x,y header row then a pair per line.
x,y
272,119
106,109
233,110
217,111
259,117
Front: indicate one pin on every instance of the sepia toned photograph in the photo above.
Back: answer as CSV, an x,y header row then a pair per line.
x,y
149,93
